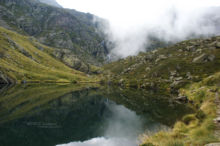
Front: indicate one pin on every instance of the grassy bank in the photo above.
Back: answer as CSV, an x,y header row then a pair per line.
x,y
195,129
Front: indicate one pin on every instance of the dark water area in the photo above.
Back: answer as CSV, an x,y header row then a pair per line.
x,y
82,115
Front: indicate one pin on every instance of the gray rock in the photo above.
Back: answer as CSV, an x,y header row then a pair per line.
x,y
160,57
182,98
211,57
189,76
175,83
203,58
173,73
121,81
147,69
213,144
217,120
178,79
218,45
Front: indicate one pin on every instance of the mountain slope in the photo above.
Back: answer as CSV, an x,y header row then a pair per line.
x,y
168,68
22,59
56,27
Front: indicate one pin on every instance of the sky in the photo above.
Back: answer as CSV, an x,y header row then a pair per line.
x,y
131,21
138,10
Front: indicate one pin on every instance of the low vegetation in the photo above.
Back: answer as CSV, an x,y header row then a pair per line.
x,y
21,60
194,129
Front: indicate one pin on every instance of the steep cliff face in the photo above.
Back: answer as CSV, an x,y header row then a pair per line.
x,y
56,27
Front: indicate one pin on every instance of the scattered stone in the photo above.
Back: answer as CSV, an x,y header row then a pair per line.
x,y
173,73
217,120
211,57
121,81
147,69
199,51
203,58
218,45
161,57
182,98
189,76
178,79
213,144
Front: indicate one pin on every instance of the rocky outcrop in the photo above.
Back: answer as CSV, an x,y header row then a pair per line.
x,y
71,60
204,58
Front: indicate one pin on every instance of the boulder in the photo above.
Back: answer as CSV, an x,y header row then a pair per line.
x,y
121,81
189,76
218,45
173,73
182,98
213,144
203,58
217,120
178,79
160,57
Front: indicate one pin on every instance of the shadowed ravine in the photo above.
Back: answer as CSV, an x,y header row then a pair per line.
x,y
50,114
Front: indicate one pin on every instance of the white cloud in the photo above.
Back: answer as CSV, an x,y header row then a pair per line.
x,y
132,20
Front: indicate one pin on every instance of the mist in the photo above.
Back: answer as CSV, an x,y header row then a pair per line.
x,y
170,25
133,23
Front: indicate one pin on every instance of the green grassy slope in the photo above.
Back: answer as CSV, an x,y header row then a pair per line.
x,y
168,68
23,59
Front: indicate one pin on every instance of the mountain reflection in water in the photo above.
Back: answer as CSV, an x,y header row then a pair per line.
x,y
79,115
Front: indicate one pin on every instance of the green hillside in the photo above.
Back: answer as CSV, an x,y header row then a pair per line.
x,y
168,68
22,59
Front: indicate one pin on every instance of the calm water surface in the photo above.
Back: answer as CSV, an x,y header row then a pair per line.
x,y
79,115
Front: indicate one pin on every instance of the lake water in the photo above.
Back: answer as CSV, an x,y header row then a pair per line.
x,y
82,115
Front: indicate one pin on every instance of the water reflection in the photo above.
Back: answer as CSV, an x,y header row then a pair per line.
x,y
49,115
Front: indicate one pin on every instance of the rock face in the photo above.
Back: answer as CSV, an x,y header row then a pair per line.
x,y
71,60
56,27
